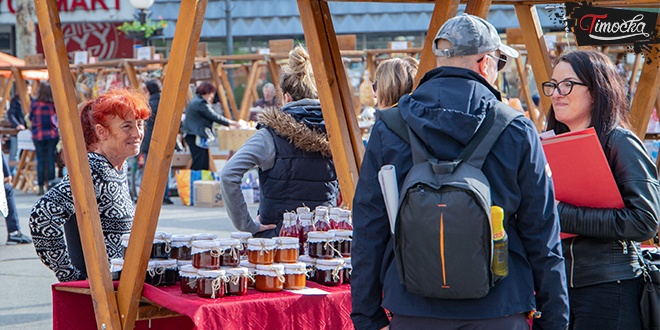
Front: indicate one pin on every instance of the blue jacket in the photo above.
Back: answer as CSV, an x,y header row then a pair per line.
x,y
445,111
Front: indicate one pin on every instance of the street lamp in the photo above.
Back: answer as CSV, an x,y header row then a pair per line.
x,y
143,6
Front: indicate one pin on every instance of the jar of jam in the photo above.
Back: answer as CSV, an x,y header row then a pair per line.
x,y
344,242
290,225
295,276
161,247
243,237
261,250
321,244
188,277
330,272
237,281
310,264
252,271
344,220
333,216
181,247
205,254
180,264
287,249
321,220
348,269
204,237
269,278
211,283
116,265
124,244
306,226
161,272
229,252
303,209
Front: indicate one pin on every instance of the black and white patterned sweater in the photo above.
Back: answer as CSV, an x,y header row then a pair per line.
x,y
54,215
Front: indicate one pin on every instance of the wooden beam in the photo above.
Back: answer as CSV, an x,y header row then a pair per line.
x,y
21,90
442,11
230,92
478,8
246,102
6,92
524,89
218,85
372,66
129,69
82,187
274,70
635,71
646,94
170,109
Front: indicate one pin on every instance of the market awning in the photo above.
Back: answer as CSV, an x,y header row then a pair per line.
x,y
7,60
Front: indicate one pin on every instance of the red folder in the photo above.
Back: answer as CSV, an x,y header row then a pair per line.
x,y
580,171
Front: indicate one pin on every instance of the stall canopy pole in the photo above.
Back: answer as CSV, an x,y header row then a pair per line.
x,y
170,108
443,10
647,91
82,188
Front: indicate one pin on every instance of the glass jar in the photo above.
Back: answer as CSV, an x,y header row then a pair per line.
x,y
161,247
180,264
116,265
205,254
124,244
204,237
269,278
237,281
310,264
344,242
287,249
333,216
211,283
294,276
344,220
243,237
229,251
321,244
261,250
161,272
188,279
252,271
330,272
348,269
321,220
290,225
305,220
181,247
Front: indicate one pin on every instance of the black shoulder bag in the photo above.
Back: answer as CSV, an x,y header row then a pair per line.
x,y
649,303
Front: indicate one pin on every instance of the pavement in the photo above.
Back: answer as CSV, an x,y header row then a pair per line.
x,y
25,283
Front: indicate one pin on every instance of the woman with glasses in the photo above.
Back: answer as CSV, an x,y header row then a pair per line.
x,y
601,265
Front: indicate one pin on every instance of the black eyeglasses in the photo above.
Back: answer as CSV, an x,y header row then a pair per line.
x,y
501,61
374,86
564,87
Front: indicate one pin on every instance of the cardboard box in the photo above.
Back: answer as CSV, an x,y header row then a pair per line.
x,y
207,194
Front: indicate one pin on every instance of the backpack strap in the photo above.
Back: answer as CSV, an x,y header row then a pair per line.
x,y
393,120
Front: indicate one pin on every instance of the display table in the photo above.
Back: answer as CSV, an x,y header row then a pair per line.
x,y
232,139
72,309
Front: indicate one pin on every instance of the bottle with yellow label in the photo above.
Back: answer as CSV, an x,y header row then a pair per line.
x,y
500,264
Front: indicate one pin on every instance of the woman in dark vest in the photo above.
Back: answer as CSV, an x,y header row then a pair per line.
x,y
292,153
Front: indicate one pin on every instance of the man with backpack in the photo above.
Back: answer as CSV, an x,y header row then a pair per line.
x,y
429,252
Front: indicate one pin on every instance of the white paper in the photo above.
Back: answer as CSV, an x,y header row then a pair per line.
x,y
144,53
399,45
390,189
80,58
547,134
309,292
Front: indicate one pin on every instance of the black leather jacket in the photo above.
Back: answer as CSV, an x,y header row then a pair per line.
x,y
200,117
600,253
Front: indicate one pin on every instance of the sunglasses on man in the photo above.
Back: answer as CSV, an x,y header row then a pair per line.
x,y
501,61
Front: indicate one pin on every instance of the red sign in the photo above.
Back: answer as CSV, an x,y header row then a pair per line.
x,y
102,40
73,5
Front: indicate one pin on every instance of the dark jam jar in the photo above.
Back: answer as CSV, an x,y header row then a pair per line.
x,y
344,242
321,244
124,244
295,276
261,250
205,254
181,247
161,272
211,283
243,237
330,272
348,269
310,264
269,278
252,271
287,249
229,252
162,245
116,265
237,281
306,226
188,279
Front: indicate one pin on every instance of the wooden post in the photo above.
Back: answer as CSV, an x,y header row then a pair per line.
x,y
274,70
21,89
186,38
524,89
218,85
6,92
646,94
372,66
82,187
443,10
132,76
478,8
633,75
230,92
246,103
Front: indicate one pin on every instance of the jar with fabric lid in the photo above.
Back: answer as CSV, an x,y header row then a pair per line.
x,y
321,220
237,281
181,247
287,249
333,216
161,272
252,271
243,237
180,264
344,220
310,264
303,209
290,225
321,244
203,236
261,250
116,265
205,254
188,279
344,242
348,269
295,276
306,226
161,247
330,272
211,283
229,251
269,278
124,244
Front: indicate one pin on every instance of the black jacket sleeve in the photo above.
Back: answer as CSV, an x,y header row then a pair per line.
x,y
15,114
206,111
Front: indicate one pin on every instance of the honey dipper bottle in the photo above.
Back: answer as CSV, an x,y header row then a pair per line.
x,y
500,264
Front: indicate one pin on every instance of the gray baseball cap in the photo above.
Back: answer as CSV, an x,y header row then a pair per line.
x,y
470,35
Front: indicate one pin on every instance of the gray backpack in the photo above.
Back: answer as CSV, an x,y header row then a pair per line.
x,y
443,239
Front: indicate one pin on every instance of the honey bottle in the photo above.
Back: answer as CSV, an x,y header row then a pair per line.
x,y
500,264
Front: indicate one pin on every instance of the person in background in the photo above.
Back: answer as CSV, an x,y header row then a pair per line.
x,y
17,120
605,280
394,78
198,125
14,235
113,127
269,99
45,134
292,153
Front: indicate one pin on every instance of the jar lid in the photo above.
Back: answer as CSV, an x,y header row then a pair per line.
x,y
183,263
261,243
227,243
203,236
302,209
247,264
329,264
321,211
343,234
117,261
320,236
307,260
162,235
203,246
295,268
290,216
305,217
188,271
334,210
237,271
240,235
181,238
166,263
347,263
270,270
211,273
287,242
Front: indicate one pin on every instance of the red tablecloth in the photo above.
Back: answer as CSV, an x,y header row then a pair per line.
x,y
256,310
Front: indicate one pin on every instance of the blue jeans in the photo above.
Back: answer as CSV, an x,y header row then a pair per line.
x,y
12,215
45,157
607,306
511,322
13,152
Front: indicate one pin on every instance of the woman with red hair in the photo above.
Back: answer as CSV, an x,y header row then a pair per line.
x,y
113,126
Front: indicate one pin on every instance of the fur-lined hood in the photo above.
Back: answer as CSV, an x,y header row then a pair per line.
x,y
297,132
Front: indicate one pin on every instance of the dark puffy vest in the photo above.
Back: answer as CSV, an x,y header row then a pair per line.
x,y
297,177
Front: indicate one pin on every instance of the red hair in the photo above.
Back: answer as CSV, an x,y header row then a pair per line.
x,y
116,103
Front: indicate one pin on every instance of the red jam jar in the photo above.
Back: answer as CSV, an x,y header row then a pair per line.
x,y
180,264
348,269
205,254
252,271
310,264
124,244
116,265
181,247
243,237
306,226
237,281
261,250
344,220
161,247
344,242
321,220
290,225
287,249
161,272
188,279
211,283
229,252
269,278
321,244
330,272
295,276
